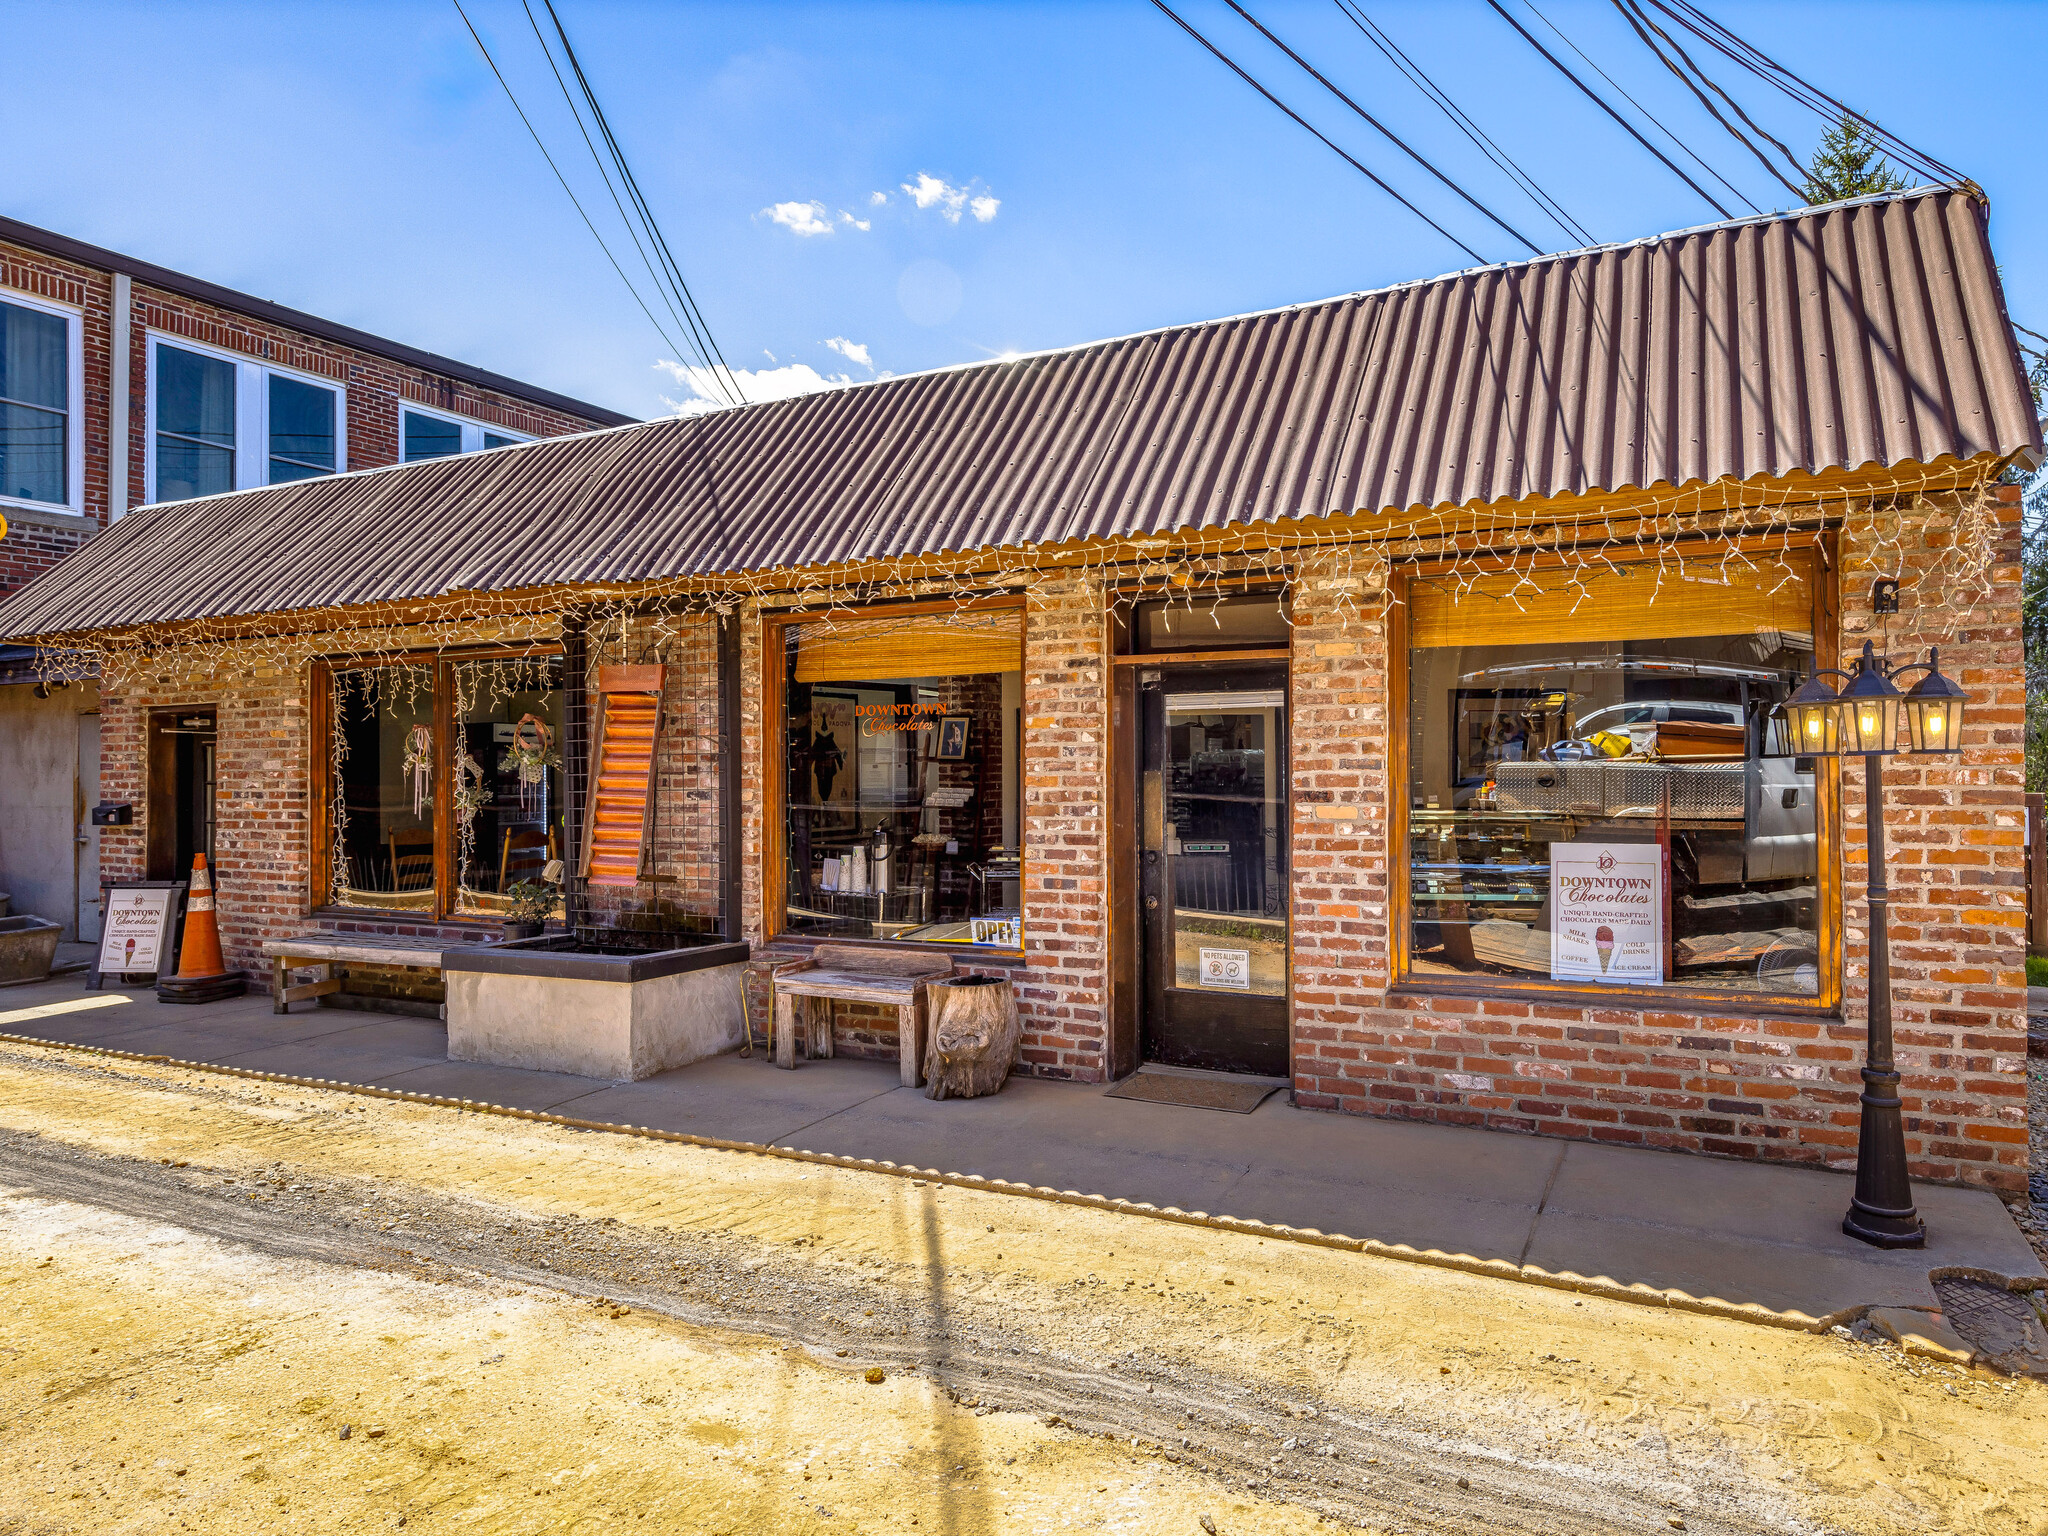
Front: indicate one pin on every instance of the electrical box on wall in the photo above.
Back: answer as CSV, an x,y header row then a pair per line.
x,y
113,813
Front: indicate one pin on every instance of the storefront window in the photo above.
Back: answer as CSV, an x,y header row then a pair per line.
x,y
382,803
508,778
408,797
1590,803
901,780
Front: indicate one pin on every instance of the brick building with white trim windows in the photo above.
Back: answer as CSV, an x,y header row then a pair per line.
x,y
123,383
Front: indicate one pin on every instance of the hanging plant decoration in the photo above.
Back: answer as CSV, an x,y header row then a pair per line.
x,y
471,795
419,767
532,755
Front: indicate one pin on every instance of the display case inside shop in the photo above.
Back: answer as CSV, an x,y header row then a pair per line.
x,y
1602,810
902,792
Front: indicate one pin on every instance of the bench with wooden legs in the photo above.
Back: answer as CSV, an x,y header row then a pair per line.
x,y
328,953
806,989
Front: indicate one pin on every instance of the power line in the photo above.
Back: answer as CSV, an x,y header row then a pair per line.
x,y
1766,68
1231,64
1385,132
700,327
1633,15
668,300
1548,205
537,144
1683,147
1599,101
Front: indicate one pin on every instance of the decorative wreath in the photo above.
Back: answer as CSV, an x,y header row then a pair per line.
x,y
532,754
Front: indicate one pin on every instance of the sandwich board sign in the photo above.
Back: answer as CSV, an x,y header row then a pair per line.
x,y
139,932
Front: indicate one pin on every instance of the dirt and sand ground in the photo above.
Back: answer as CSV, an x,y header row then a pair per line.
x,y
228,1306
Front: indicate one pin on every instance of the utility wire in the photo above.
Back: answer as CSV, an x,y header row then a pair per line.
x,y
1764,67
668,299
1231,64
1599,101
1633,15
1549,206
1683,147
537,144
1383,130
699,326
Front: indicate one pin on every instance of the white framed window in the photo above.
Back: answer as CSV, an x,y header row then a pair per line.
x,y
219,421
42,404
426,434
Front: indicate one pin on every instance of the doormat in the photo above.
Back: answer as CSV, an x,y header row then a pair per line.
x,y
1236,1096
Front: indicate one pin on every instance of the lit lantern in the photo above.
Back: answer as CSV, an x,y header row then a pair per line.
x,y
1868,708
1934,711
1804,724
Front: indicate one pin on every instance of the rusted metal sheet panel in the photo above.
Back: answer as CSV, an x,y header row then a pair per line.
x,y
1867,333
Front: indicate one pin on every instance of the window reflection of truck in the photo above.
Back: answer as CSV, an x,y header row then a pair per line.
x,y
1777,840
1778,836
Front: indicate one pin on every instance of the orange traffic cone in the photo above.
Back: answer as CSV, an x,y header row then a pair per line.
x,y
201,954
203,977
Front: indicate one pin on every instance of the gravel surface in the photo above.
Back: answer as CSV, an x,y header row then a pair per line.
x,y
1292,1379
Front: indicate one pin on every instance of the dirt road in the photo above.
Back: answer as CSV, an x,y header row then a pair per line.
x,y
229,1306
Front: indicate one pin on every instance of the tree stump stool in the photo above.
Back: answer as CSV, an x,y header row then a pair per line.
x,y
974,1037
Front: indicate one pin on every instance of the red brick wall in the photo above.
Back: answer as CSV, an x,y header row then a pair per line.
x,y
376,386
1782,1088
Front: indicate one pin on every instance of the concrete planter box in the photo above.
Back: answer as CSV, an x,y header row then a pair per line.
x,y
28,947
546,1006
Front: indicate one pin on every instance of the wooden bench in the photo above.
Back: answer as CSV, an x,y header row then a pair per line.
x,y
806,989
328,952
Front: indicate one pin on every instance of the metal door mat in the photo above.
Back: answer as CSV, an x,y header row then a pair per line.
x,y
1237,1098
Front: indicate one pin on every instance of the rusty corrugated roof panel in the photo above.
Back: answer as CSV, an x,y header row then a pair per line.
x,y
1866,333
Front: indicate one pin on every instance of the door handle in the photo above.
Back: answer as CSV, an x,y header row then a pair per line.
x,y
1151,903
1154,811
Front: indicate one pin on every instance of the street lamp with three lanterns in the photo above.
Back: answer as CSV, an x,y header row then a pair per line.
x,y
1863,720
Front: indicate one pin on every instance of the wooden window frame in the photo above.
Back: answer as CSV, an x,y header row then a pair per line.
x,y
1828,937
321,819
775,769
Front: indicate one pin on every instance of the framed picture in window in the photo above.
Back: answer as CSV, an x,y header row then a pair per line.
x,y
952,739
833,765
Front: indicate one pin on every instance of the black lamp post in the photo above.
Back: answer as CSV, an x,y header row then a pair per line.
x,y
1863,720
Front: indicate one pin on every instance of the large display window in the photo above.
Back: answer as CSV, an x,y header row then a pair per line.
x,y
900,777
1592,796
440,790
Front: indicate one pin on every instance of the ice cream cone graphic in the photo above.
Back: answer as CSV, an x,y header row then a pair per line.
x,y
1603,941
130,955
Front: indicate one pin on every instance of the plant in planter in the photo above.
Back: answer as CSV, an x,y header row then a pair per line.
x,y
529,904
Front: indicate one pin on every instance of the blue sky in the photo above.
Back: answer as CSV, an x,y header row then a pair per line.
x,y
1085,170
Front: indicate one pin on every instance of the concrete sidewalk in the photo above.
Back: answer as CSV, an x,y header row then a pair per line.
x,y
1736,1233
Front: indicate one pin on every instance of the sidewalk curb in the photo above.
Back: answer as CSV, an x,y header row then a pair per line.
x,y
1499,1269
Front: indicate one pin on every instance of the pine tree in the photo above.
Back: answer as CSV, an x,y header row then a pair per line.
x,y
1849,164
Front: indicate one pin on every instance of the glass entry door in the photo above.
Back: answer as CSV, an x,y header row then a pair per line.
x,y
1213,872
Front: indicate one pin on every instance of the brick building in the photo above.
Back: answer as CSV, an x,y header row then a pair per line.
x,y
126,384
1381,695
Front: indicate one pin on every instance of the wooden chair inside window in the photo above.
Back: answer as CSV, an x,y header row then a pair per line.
x,y
525,854
412,859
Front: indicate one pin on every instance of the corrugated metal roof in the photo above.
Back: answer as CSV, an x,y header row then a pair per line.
x,y
1865,333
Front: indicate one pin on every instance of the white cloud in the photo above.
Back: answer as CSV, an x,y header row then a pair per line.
x,y
757,384
801,218
863,225
929,191
767,354
878,199
852,351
